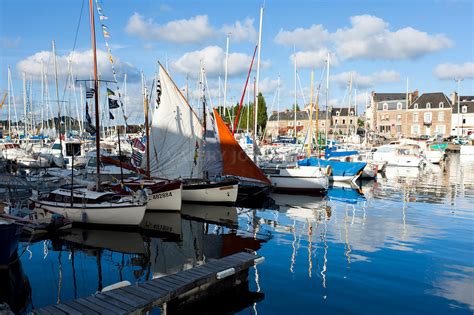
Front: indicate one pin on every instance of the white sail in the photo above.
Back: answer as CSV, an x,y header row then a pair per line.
x,y
212,156
175,135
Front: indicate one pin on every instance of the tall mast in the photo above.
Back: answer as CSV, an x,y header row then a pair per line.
x,y
225,76
248,109
219,96
147,127
57,99
255,133
294,114
349,109
326,126
9,105
25,119
310,129
278,106
125,96
96,93
42,96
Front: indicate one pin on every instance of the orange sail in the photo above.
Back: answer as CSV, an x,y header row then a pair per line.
x,y
235,161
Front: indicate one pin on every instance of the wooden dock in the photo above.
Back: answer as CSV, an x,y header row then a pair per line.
x,y
188,285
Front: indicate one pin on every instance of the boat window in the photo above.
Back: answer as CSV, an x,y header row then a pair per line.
x,y
73,149
56,146
92,162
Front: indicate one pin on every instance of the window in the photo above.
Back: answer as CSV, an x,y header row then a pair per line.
x,y
440,116
399,117
440,129
298,123
415,106
343,121
441,105
385,106
350,121
415,129
415,117
463,121
336,121
290,124
338,113
399,106
352,113
427,118
399,128
428,105
464,109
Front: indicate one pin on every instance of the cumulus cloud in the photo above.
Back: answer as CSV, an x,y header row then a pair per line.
x,y
81,63
213,60
365,81
268,86
450,71
241,31
313,59
6,42
367,37
192,30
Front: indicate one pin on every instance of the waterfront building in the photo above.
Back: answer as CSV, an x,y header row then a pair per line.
x,y
283,123
430,114
462,117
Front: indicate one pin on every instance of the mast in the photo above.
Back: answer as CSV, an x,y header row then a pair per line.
x,y
256,88
248,109
9,104
147,128
204,125
96,94
57,99
278,107
125,97
25,119
225,77
42,96
349,109
219,96
310,129
294,110
327,102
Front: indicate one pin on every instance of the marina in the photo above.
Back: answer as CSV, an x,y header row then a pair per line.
x,y
154,172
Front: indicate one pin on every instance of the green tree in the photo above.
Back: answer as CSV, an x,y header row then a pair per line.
x,y
262,112
297,107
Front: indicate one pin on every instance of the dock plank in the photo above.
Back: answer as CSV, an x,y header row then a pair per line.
x,y
136,298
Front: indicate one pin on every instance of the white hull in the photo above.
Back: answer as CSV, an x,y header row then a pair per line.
x,y
467,150
222,194
166,200
300,178
434,157
104,213
346,179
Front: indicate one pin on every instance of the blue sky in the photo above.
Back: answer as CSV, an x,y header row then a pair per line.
x,y
380,42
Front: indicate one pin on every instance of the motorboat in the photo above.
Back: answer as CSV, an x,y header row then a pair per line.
x,y
299,179
407,155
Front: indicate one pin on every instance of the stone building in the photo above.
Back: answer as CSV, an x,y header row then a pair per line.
x,y
283,123
430,114
462,119
343,120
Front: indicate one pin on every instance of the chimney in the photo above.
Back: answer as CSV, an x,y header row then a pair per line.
x,y
274,112
454,98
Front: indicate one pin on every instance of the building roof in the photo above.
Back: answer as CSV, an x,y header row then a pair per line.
x,y
391,105
467,101
380,97
343,111
434,99
289,115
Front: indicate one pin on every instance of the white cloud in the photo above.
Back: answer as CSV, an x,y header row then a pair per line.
x,y
310,38
213,59
365,81
268,86
449,71
6,42
81,64
192,30
241,31
368,37
313,59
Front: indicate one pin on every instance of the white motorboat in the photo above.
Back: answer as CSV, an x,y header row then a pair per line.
x,y
307,179
81,205
407,155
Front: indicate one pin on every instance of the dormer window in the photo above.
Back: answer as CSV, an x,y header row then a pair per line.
x,y
441,105
352,113
385,106
338,113
464,109
399,106
415,106
428,105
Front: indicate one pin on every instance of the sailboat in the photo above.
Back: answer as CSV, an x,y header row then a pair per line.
x,y
81,204
176,145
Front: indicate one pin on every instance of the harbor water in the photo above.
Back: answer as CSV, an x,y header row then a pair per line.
x,y
401,244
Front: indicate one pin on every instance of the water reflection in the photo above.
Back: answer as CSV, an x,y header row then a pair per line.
x,y
15,288
404,241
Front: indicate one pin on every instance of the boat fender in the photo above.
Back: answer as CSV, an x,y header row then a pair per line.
x,y
84,217
328,170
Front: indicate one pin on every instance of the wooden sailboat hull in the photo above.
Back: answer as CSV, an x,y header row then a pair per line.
x,y
306,179
105,213
214,193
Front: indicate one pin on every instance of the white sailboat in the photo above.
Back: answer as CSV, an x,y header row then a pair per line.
x,y
176,145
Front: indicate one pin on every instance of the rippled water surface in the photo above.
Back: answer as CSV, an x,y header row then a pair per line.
x,y
401,244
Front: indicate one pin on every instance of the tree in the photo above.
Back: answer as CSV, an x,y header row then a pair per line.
x,y
298,107
262,112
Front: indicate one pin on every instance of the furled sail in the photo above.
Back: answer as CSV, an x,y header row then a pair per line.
x,y
175,135
235,161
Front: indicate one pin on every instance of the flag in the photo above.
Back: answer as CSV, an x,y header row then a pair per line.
x,y
158,92
111,116
196,154
106,34
110,92
137,158
103,17
138,144
90,92
90,129
113,103
88,117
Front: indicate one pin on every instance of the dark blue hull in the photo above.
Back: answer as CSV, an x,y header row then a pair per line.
x,y
9,237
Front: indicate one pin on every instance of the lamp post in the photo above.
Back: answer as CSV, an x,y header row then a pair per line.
x,y
458,80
